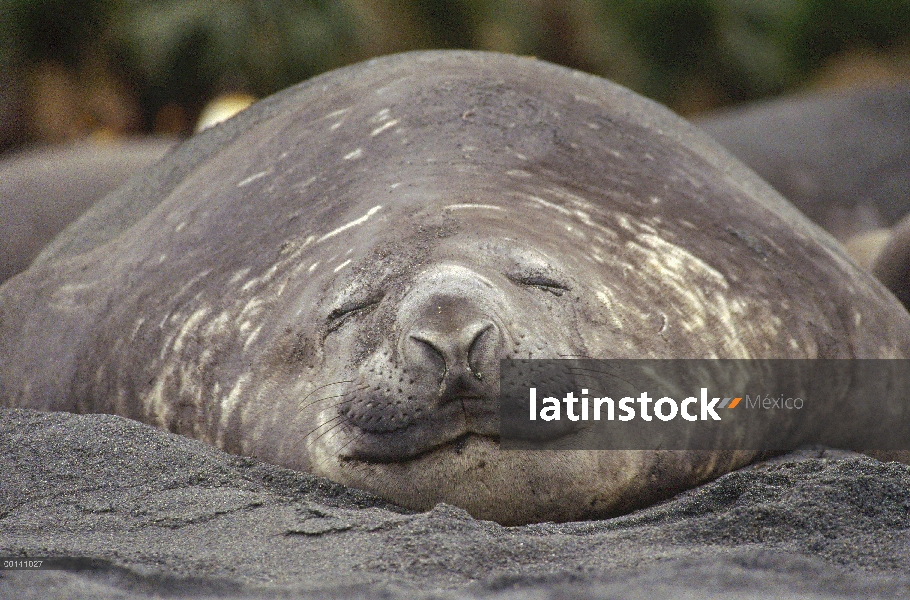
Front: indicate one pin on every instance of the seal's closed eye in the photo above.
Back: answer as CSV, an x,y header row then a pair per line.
x,y
531,268
339,315
543,282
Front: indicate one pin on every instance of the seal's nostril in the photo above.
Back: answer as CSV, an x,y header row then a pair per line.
x,y
483,349
482,330
428,348
455,340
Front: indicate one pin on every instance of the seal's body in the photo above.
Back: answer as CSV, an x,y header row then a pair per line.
x,y
329,280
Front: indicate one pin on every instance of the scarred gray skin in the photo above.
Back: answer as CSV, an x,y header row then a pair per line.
x,y
329,280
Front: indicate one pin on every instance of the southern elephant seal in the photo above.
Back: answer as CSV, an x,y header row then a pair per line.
x,y
329,280
891,263
42,190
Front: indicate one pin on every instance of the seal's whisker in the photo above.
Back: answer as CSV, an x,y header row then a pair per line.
x,y
316,389
354,438
324,398
337,418
593,373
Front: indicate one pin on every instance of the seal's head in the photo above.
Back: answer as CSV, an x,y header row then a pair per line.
x,y
394,376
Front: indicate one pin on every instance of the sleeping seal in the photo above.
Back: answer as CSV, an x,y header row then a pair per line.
x,y
329,280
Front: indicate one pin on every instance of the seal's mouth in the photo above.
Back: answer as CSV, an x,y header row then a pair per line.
x,y
435,425
455,446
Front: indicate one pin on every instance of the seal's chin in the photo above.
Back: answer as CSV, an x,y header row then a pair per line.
x,y
510,487
455,445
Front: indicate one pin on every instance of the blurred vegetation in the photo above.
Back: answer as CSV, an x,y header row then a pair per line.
x,y
74,67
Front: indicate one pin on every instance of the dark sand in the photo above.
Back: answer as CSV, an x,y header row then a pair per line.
x,y
170,517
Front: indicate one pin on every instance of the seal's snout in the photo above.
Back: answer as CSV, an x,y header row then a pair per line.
x,y
456,344
441,381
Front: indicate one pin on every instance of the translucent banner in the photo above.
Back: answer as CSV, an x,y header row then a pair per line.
x,y
761,405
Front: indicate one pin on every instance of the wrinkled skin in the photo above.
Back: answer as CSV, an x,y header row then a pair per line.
x,y
329,281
